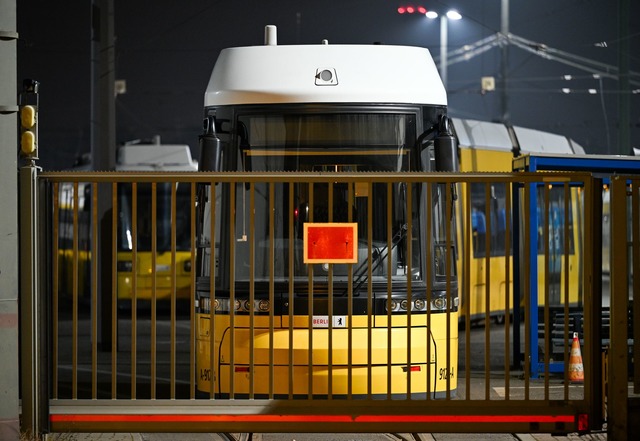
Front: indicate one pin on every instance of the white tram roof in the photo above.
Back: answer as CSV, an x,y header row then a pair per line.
x,y
475,134
154,157
536,141
481,134
325,73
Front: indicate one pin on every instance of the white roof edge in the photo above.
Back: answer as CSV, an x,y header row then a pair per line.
x,y
537,141
482,134
360,74
476,134
170,157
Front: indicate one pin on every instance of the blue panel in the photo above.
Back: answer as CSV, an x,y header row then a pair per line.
x,y
604,165
598,164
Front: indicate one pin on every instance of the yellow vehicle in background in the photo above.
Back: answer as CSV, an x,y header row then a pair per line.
x,y
154,157
134,157
492,147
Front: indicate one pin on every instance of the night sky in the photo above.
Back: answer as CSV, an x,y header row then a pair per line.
x,y
165,50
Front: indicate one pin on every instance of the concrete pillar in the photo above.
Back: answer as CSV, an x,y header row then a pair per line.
x,y
9,410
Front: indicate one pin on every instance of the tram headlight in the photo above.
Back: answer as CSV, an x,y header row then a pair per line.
x,y
439,304
222,305
394,305
419,305
263,306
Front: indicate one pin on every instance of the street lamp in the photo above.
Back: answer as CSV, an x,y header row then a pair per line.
x,y
451,14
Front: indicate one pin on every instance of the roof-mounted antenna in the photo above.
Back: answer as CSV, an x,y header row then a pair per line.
x,y
270,35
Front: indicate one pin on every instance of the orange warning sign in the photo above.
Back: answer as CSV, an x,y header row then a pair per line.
x,y
332,242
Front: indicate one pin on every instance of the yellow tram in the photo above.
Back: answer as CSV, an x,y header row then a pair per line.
x,y
269,323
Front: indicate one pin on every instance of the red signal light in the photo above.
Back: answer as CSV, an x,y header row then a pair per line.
x,y
412,9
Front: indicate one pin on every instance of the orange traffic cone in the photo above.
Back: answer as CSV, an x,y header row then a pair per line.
x,y
576,370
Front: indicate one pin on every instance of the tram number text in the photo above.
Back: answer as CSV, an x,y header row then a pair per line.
x,y
446,373
205,374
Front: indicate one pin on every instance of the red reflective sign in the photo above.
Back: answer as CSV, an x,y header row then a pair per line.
x,y
331,242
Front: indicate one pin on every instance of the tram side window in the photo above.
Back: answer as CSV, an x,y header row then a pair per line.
x,y
556,216
479,231
496,239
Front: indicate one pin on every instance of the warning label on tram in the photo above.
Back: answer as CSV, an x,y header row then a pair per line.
x,y
332,242
322,321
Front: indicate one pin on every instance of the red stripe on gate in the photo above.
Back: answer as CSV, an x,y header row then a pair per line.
x,y
87,418
466,418
69,418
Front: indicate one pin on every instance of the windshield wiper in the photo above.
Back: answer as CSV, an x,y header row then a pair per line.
x,y
378,256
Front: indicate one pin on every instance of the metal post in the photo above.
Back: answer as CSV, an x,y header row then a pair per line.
x,y
592,283
32,305
624,97
103,152
504,61
617,411
443,49
34,398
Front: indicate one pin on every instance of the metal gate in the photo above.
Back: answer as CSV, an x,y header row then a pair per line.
x,y
623,374
108,361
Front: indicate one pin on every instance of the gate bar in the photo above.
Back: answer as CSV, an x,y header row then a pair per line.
x,y
617,423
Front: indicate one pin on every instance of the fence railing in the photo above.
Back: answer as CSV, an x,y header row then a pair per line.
x,y
129,338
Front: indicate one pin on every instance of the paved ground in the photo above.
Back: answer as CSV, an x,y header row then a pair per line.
x,y
321,437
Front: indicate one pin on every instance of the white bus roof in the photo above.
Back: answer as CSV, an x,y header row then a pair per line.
x,y
325,73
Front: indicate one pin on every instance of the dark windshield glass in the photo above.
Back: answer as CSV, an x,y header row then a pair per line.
x,y
335,142
144,217
326,142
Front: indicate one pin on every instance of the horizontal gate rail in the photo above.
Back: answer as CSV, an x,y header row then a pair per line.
x,y
157,359
266,416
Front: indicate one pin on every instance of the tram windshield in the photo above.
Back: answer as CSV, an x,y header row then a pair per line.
x,y
145,217
333,142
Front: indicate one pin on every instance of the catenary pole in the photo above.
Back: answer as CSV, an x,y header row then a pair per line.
x,y
624,98
103,148
504,62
